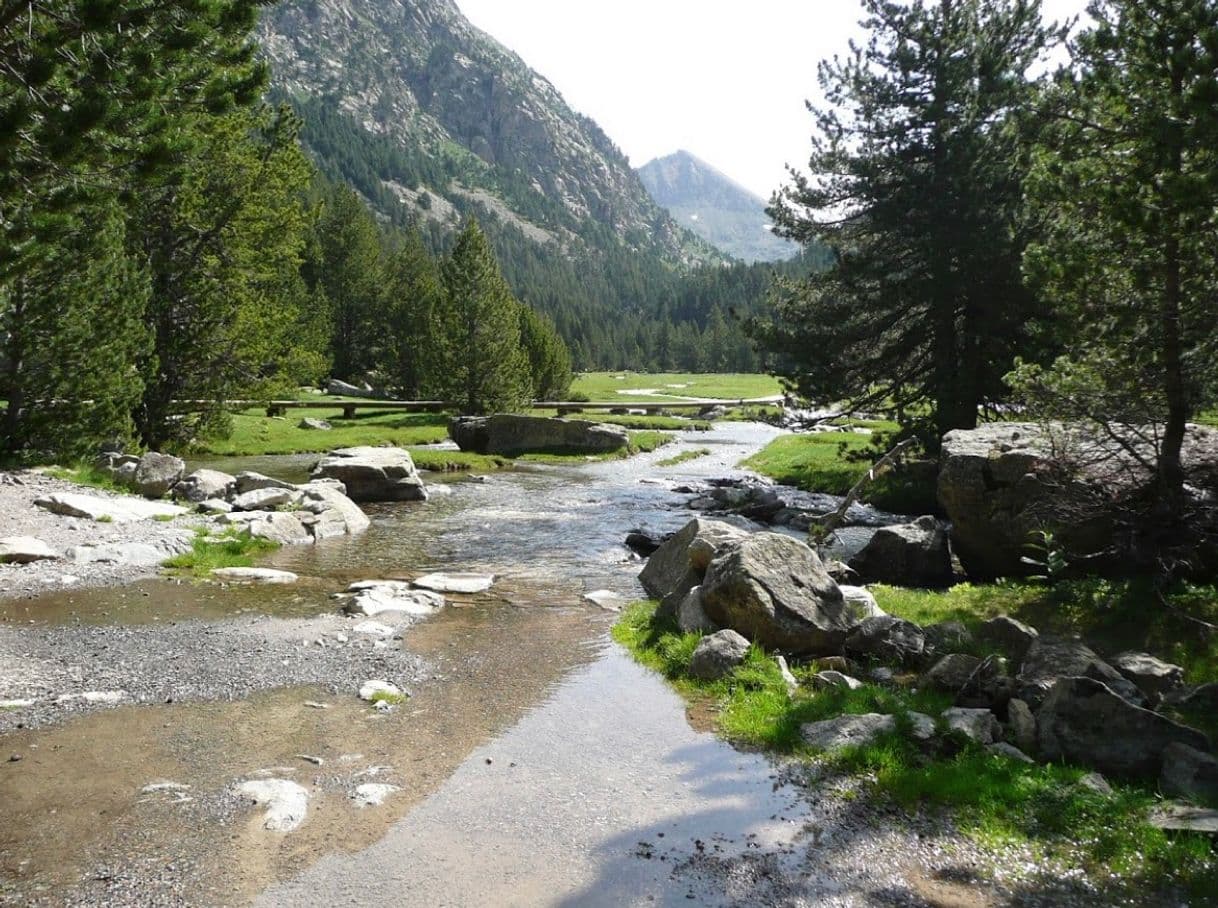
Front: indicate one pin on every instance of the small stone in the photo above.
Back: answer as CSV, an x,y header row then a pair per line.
x,y
309,758
1095,783
380,692
1003,749
373,794
785,671
836,679
979,725
847,731
717,655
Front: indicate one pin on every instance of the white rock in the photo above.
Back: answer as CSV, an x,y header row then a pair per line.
x,y
374,629
372,691
253,575
154,787
279,527
373,794
442,582
263,499
92,697
139,554
118,510
215,506
15,704
375,597
24,550
788,678
337,515
861,603
836,679
606,599
286,803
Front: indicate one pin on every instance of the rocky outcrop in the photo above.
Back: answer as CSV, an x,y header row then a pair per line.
x,y
1084,722
373,474
511,435
774,590
25,550
911,554
113,510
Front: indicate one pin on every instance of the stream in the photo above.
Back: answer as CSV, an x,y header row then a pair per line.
x,y
535,762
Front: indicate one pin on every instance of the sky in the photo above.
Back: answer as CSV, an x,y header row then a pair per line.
x,y
723,79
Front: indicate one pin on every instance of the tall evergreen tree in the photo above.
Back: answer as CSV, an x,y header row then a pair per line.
x,y
549,358
412,314
1128,179
351,279
486,368
916,186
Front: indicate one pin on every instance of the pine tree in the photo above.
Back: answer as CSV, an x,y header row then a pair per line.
x,y
486,369
412,317
916,187
549,359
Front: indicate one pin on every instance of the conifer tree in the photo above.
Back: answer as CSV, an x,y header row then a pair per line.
x,y
486,368
411,314
549,358
351,278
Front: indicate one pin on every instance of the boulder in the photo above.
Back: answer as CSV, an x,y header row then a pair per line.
x,y
836,679
947,637
286,803
512,434
978,725
263,499
847,731
1009,751
204,485
774,590
1013,638
1184,818
1021,726
346,389
670,573
1050,658
376,597
692,617
951,673
1084,722
860,603
1153,677
887,639
373,474
25,550
989,687
249,481
113,510
921,726
912,554
136,554
1201,697
314,424
1189,773
327,512
156,474
215,506
717,655
276,526
642,543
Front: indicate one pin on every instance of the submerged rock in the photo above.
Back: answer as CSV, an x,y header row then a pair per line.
x,y
456,582
370,598
253,575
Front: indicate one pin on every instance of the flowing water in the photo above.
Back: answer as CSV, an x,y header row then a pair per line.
x,y
540,766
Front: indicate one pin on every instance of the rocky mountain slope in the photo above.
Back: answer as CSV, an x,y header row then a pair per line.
x,y
454,122
715,207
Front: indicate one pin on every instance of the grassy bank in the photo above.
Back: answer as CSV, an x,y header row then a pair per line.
x,y
683,457
991,797
673,385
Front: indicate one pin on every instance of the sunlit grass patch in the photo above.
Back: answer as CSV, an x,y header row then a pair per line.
x,y
209,553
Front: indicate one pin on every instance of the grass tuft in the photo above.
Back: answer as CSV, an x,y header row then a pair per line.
x,y
85,474
208,553
683,457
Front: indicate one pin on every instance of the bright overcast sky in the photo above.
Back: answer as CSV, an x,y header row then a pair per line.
x,y
724,79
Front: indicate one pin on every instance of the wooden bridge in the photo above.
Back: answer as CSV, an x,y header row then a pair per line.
x,y
564,408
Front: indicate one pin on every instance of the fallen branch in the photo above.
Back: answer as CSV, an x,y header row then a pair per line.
x,y
828,523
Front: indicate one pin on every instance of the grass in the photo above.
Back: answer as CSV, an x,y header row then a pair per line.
x,y
385,696
683,457
85,474
833,462
602,386
208,553
639,443
254,433
993,798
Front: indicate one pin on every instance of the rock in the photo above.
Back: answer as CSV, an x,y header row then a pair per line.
x,y
25,550
263,499
670,572
989,687
1096,784
642,543
378,691
374,629
114,510
1021,726
253,575
1050,658
205,485
92,698
249,481
947,637
1184,818
373,474
346,389
286,803
512,434
466,582
137,554
279,527
156,474
979,725
912,554
860,603
335,513
1084,722
215,506
887,639
310,422
606,599
375,597
1153,677
1201,697
692,617
951,673
788,677
1003,749
847,731
774,590
1189,773
16,704
373,794
836,679
921,727
1012,637
882,674
716,655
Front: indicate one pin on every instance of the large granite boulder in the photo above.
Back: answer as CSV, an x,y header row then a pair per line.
x,y
1050,658
204,485
912,554
1083,721
327,512
156,474
774,590
1002,482
680,563
886,639
716,655
373,474
511,434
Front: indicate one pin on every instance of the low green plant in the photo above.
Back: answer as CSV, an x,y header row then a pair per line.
x,y
164,518
386,696
85,474
683,457
208,553
105,518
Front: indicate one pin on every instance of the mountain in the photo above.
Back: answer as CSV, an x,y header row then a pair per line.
x,y
715,207
452,122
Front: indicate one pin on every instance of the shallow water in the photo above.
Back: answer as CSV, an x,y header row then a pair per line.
x,y
531,772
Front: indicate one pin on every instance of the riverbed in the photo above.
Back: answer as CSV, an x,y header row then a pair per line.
x,y
534,763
